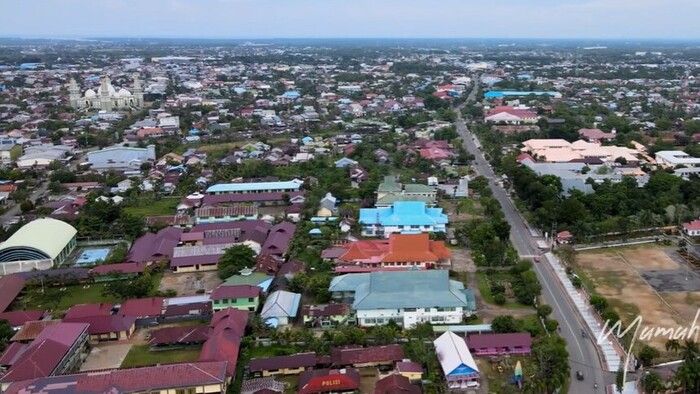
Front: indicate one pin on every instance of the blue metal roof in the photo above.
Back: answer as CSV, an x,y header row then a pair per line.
x,y
403,213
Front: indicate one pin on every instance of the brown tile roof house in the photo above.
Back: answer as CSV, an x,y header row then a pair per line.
x,y
55,350
17,319
291,362
168,377
268,264
367,356
395,384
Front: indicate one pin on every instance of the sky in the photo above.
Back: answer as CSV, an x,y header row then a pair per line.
x,y
627,19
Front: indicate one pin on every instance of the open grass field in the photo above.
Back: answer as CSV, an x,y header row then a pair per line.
x,y
59,299
150,207
141,355
619,274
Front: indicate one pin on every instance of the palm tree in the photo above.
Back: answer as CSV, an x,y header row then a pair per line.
x,y
651,383
672,345
688,374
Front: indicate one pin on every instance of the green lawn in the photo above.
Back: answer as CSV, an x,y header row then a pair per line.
x,y
141,355
151,207
59,299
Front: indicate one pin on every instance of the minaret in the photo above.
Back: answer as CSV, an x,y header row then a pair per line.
x,y
105,100
137,92
74,94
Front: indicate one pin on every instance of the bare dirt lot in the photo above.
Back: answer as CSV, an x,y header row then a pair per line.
x,y
189,283
106,356
642,280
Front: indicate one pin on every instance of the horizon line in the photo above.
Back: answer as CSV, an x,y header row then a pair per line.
x,y
146,37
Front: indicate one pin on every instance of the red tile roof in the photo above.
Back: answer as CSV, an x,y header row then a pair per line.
x,y
398,248
371,354
160,377
86,310
105,324
329,380
519,112
519,339
693,225
10,287
227,329
233,292
143,307
31,329
18,318
45,353
299,360
179,335
395,384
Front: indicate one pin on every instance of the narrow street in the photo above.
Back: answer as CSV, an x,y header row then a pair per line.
x,y
583,354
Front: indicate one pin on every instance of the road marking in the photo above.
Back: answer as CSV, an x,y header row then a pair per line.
x,y
561,312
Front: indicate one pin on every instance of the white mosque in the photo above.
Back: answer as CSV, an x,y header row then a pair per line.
x,y
107,98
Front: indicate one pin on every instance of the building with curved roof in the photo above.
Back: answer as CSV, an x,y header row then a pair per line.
x,y
40,239
107,97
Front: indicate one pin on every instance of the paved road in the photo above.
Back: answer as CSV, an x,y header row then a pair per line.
x,y
14,209
582,351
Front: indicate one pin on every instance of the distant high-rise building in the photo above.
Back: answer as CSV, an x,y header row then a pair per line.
x,y
107,98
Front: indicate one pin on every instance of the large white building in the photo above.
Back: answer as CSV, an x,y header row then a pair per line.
x,y
405,297
673,158
107,97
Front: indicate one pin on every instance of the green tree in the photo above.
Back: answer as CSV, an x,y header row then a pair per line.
x,y
599,303
6,332
26,206
543,311
672,345
504,324
552,362
688,374
652,383
647,354
235,259
620,380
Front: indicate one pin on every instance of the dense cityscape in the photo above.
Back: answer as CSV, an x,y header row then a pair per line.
x,y
348,216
